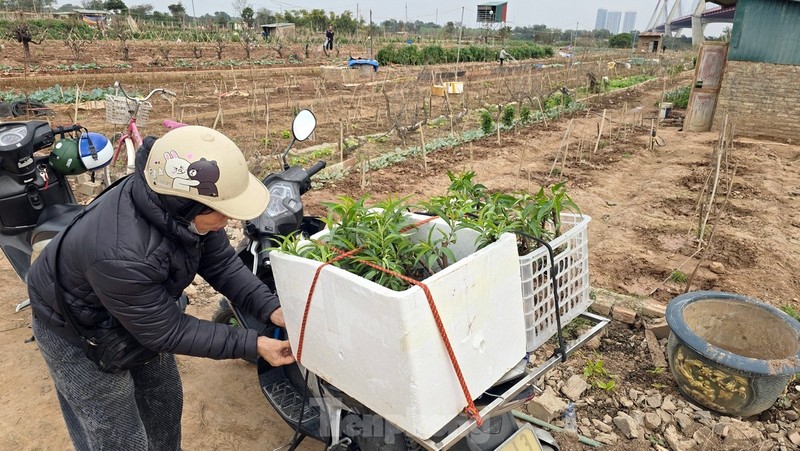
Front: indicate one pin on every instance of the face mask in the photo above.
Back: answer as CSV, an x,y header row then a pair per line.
x,y
193,229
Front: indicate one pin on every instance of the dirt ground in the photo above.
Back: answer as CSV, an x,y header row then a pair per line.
x,y
642,204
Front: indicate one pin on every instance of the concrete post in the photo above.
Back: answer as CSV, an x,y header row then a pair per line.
x,y
698,27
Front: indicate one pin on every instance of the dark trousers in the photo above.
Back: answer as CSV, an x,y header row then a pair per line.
x,y
136,410
329,44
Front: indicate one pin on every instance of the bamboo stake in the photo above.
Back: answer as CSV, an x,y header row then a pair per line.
x,y
288,91
424,151
471,157
218,118
600,133
341,141
622,119
544,116
77,101
266,118
720,151
563,140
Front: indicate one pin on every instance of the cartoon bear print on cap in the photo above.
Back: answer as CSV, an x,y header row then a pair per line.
x,y
177,168
206,174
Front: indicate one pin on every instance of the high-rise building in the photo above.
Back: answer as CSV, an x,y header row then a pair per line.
x,y
629,24
612,21
600,22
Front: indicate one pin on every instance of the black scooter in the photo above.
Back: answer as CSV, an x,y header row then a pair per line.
x,y
314,408
36,201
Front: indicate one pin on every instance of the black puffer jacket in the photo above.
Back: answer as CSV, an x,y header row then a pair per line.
x,y
129,259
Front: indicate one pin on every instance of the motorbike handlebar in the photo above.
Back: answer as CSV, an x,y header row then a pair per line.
x,y
318,166
264,243
67,129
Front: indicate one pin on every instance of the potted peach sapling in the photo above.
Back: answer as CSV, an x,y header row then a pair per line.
x,y
548,216
391,306
384,236
380,288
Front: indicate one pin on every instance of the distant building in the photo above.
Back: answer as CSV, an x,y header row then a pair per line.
x,y
629,24
278,30
492,12
93,17
600,22
612,21
650,42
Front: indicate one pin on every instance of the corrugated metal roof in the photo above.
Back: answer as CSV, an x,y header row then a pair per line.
x,y
766,31
96,12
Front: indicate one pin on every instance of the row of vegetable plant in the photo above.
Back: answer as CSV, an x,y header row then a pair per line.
x,y
436,54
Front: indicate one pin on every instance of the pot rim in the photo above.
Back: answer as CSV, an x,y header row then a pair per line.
x,y
774,367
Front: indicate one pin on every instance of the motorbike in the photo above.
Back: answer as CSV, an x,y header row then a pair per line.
x,y
36,200
314,408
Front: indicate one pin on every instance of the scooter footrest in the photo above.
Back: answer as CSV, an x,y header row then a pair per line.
x,y
284,396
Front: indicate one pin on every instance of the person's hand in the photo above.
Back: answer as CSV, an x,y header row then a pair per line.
x,y
275,352
276,318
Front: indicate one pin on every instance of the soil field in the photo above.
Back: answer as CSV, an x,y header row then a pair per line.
x,y
642,202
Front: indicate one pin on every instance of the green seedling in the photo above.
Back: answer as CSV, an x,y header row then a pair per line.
x,y
678,277
487,123
596,374
508,116
791,311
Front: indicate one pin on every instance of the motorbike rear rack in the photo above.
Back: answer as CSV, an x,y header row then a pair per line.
x,y
502,402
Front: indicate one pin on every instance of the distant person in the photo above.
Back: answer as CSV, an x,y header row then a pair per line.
x,y
504,55
329,39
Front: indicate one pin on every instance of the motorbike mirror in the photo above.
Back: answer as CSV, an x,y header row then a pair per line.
x,y
303,125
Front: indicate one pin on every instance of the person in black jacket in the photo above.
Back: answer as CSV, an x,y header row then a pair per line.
x,y
125,262
329,38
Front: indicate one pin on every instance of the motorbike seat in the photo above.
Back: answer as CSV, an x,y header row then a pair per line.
x,y
53,219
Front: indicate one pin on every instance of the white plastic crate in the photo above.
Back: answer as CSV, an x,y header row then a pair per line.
x,y
383,348
572,264
119,110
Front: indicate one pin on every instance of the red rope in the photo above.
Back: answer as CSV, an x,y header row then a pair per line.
x,y
470,410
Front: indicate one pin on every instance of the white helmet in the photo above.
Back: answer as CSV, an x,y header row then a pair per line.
x,y
95,149
202,164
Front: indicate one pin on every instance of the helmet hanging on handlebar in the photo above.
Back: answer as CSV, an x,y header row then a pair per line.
x,y
203,165
96,150
65,158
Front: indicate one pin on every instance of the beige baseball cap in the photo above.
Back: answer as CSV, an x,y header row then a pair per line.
x,y
202,164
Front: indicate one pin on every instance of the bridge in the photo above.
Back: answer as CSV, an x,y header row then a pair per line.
x,y
671,21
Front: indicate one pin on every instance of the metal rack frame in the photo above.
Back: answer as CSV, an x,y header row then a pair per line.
x,y
502,402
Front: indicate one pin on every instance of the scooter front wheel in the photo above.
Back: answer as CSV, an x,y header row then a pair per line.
x,y
224,315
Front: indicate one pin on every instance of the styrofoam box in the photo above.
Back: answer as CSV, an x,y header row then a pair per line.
x,y
572,269
382,347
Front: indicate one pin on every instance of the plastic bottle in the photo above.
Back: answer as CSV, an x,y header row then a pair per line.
x,y
570,420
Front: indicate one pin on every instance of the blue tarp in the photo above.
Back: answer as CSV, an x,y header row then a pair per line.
x,y
352,62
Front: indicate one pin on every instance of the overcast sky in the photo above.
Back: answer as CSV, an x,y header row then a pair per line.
x,y
564,14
